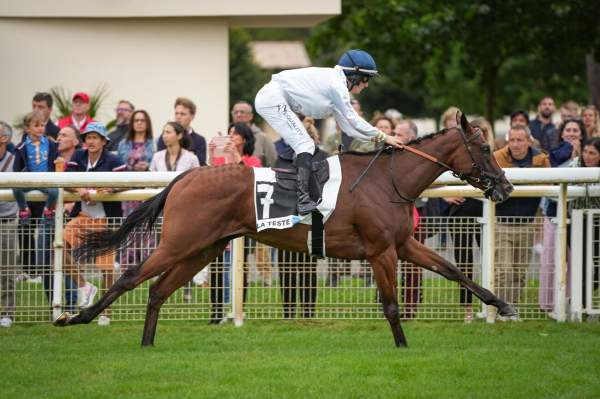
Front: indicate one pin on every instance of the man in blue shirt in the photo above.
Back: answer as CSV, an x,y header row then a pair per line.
x,y
542,128
91,215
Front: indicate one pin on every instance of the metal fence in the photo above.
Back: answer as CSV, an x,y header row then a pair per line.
x,y
524,260
281,284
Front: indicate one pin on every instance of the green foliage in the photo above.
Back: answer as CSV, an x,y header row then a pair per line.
x,y
303,360
245,77
63,100
485,56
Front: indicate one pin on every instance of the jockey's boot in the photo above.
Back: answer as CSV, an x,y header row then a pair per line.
x,y
305,203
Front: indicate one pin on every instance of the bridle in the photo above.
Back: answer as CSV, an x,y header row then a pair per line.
x,y
476,176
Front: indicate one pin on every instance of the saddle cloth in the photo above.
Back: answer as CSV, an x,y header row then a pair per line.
x,y
275,196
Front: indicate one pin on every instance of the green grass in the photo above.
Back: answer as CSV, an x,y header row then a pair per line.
x,y
353,298
341,359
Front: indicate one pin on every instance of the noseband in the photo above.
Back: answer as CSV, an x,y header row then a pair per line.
x,y
487,180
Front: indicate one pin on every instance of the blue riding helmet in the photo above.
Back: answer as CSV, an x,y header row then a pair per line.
x,y
358,62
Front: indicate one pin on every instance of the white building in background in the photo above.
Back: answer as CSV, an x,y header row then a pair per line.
x,y
146,51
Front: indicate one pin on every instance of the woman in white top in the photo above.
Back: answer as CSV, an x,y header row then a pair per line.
x,y
175,157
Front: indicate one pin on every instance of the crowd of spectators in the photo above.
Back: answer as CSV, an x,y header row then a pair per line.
x,y
79,143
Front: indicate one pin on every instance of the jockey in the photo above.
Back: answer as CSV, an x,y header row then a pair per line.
x,y
318,93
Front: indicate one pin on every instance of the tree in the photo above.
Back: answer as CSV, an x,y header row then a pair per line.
x,y
486,54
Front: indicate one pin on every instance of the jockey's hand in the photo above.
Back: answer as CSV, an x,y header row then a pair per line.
x,y
394,141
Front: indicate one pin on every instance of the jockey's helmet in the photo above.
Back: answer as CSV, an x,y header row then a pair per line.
x,y
358,62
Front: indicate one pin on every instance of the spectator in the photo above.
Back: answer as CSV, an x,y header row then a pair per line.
x,y
517,117
569,110
124,110
185,111
89,215
513,242
298,281
264,149
79,116
68,142
238,149
406,130
591,120
542,128
137,149
448,118
35,154
334,141
298,271
42,103
5,127
175,157
572,135
465,229
590,158
382,123
437,207
8,239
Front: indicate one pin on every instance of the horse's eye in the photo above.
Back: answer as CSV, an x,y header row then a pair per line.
x,y
486,149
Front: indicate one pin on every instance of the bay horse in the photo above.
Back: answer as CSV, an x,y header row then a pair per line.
x,y
206,207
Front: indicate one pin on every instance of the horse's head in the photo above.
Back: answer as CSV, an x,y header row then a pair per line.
x,y
476,164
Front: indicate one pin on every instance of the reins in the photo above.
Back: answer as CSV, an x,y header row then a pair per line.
x,y
364,172
485,179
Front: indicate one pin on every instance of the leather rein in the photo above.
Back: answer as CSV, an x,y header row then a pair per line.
x,y
487,180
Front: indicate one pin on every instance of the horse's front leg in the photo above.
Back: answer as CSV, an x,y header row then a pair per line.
x,y
415,252
384,269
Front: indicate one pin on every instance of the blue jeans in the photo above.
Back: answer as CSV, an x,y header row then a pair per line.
x,y
19,194
44,261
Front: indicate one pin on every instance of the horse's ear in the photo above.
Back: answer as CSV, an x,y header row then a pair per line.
x,y
461,119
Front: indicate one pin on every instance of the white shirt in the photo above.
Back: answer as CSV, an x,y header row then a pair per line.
x,y
321,92
187,160
96,210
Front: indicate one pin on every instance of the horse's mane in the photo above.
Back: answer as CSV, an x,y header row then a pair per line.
x,y
412,142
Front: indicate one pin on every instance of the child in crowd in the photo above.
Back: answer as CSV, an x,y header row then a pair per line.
x,y
35,154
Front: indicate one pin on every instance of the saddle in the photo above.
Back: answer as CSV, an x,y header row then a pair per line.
x,y
285,173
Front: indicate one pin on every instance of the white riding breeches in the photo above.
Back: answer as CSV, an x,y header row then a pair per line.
x,y
270,103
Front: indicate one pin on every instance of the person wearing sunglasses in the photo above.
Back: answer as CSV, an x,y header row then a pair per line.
x,y
318,93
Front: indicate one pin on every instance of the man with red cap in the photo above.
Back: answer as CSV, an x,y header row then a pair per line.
x,y
79,118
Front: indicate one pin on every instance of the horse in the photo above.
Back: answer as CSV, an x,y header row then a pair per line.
x,y
207,207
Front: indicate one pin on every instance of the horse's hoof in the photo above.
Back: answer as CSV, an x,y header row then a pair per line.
x,y
62,320
507,311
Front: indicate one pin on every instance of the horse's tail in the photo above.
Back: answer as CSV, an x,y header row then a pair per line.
x,y
142,219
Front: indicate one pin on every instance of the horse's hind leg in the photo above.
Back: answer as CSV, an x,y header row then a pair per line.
x,y
384,269
157,263
170,281
415,252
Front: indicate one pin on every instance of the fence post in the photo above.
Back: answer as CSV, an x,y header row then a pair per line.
x,y
237,268
57,291
560,256
577,226
488,248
